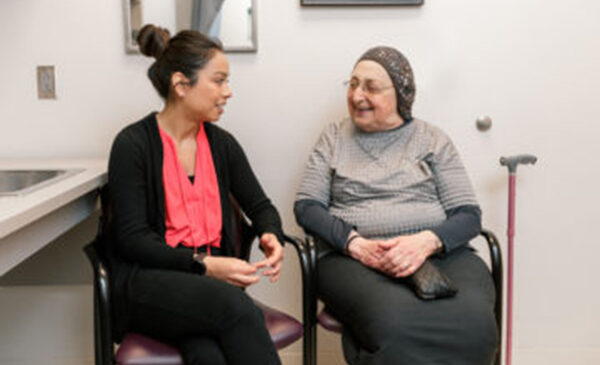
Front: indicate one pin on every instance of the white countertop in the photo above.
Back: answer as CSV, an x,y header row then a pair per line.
x,y
17,212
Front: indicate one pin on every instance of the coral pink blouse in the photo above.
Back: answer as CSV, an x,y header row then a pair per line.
x,y
192,210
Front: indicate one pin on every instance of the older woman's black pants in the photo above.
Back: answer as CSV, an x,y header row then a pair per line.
x,y
210,321
385,323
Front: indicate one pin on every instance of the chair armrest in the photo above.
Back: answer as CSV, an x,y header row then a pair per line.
x,y
496,270
307,281
307,256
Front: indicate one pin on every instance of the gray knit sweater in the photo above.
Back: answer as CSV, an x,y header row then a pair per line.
x,y
388,183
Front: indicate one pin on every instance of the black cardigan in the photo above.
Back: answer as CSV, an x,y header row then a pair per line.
x,y
138,202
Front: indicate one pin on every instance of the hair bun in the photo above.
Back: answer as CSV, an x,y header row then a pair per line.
x,y
153,40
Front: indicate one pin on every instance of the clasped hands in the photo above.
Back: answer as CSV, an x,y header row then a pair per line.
x,y
397,257
242,273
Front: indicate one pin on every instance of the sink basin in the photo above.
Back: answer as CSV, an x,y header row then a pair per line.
x,y
20,182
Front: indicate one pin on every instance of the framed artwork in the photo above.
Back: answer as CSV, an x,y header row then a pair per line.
x,y
361,2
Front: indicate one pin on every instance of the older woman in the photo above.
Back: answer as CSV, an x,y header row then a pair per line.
x,y
174,274
384,192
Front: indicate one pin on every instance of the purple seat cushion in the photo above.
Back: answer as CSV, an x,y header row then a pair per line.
x,y
136,349
284,329
329,322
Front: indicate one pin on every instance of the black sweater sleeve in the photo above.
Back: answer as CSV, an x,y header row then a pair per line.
x,y
462,224
129,182
315,218
248,192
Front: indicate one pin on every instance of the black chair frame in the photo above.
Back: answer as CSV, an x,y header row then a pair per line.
x,y
310,334
104,345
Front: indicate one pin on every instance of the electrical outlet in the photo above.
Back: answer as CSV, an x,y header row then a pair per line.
x,y
45,82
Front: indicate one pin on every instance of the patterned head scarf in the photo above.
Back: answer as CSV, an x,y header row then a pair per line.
x,y
400,72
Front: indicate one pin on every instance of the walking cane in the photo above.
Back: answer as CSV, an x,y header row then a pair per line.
x,y
512,162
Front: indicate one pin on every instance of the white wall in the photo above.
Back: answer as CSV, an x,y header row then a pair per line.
x,y
154,11
531,65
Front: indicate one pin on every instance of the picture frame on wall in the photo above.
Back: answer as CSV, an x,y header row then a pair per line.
x,y
360,2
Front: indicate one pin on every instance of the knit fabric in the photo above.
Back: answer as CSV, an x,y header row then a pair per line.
x,y
386,183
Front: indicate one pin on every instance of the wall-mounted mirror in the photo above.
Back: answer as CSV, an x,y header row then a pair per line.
x,y
231,21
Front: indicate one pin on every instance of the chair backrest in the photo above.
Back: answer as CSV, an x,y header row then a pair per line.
x,y
103,335
242,232
103,341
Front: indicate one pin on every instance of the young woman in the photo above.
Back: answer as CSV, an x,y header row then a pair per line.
x,y
170,178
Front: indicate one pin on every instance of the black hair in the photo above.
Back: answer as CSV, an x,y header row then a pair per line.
x,y
187,52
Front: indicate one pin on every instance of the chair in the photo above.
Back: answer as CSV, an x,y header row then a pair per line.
x,y
137,349
330,323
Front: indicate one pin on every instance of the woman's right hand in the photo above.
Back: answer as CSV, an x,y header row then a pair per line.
x,y
231,270
368,252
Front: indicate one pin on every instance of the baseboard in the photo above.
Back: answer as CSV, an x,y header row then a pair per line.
x,y
557,356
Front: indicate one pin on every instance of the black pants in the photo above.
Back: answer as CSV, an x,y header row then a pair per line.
x,y
210,321
385,323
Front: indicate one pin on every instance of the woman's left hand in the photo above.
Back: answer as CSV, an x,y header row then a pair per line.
x,y
406,254
274,256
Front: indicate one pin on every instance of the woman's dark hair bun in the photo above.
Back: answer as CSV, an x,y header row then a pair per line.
x,y
187,52
153,40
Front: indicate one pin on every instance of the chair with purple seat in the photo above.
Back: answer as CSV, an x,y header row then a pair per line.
x,y
137,349
330,323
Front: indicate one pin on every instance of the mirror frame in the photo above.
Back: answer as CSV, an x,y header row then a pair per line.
x,y
132,48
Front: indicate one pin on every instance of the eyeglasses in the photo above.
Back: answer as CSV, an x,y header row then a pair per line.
x,y
369,87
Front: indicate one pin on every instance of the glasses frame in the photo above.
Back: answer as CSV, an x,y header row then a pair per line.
x,y
372,92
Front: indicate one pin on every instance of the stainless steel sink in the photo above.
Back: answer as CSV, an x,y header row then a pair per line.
x,y
20,182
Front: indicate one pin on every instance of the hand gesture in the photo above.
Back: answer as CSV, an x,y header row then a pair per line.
x,y
231,270
274,256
